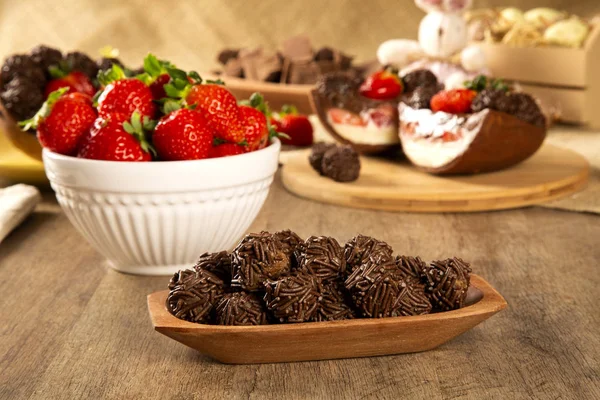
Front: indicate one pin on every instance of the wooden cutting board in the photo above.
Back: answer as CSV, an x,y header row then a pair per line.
x,y
396,185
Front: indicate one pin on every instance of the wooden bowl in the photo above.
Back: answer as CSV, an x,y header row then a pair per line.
x,y
26,142
276,94
327,340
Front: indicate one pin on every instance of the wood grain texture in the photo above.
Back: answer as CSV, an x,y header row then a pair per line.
x,y
551,173
73,329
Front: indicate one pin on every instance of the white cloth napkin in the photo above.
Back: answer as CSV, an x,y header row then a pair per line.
x,y
16,203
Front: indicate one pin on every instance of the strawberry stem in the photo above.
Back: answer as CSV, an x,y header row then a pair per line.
x,y
139,129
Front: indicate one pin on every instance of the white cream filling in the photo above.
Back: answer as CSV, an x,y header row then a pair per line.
x,y
421,146
369,134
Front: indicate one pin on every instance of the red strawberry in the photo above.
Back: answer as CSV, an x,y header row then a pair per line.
x,y
112,138
127,96
220,109
257,128
382,85
226,149
455,101
341,116
62,121
296,126
75,81
157,87
183,135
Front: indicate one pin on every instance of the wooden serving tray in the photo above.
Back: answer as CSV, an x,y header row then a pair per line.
x,y
327,340
396,185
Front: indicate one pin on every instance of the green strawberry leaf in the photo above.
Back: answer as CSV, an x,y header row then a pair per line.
x,y
289,109
171,105
44,111
140,131
196,78
217,141
215,82
153,66
56,72
115,73
177,74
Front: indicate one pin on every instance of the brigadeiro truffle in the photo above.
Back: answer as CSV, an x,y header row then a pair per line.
x,y
411,267
332,306
45,56
446,283
419,78
258,257
341,163
181,277
79,61
289,241
240,309
217,263
195,295
293,298
316,156
360,248
321,256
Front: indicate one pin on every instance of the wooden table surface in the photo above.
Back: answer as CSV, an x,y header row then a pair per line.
x,y
71,328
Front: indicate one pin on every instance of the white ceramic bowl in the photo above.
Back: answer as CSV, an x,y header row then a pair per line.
x,y
158,217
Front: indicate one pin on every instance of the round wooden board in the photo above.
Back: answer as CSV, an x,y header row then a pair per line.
x,y
390,185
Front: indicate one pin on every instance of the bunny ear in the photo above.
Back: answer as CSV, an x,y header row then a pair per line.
x,y
430,5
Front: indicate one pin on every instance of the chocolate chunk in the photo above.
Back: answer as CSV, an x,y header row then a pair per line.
x,y
421,97
527,109
240,309
258,257
332,306
361,249
316,155
22,98
216,263
194,295
411,267
380,291
341,163
228,54
293,298
297,48
446,283
22,66
419,78
79,61
257,65
46,57
321,256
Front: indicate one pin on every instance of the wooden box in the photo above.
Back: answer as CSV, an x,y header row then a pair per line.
x,y
568,79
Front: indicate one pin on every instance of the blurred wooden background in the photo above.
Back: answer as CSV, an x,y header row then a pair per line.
x,y
190,33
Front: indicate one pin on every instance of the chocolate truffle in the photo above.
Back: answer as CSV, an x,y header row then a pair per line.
x,y
411,267
419,78
341,163
79,61
180,277
380,291
361,248
446,283
316,155
293,298
321,256
289,241
195,296
45,56
22,66
332,306
240,309
22,98
421,97
258,257
106,63
217,263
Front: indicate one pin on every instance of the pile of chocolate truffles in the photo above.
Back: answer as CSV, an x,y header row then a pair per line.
x,y
297,62
280,278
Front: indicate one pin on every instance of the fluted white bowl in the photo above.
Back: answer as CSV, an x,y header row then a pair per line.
x,y
158,217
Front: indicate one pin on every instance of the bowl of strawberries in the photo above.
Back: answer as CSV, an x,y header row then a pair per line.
x,y
159,167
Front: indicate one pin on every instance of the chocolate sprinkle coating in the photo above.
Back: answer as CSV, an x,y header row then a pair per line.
x,y
332,306
293,298
258,257
316,155
195,297
79,61
362,248
240,309
46,57
181,277
22,98
341,163
216,263
289,241
411,267
419,78
372,270
323,257
446,283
